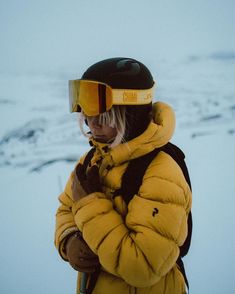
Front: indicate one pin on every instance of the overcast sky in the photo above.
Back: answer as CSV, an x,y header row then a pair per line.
x,y
52,35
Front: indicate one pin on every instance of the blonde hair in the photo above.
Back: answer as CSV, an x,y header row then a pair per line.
x,y
115,118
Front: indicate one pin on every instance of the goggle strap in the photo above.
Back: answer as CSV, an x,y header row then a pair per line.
x,y
132,96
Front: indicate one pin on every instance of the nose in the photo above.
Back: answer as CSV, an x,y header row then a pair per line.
x,y
93,121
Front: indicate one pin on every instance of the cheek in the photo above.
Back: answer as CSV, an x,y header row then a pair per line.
x,y
110,132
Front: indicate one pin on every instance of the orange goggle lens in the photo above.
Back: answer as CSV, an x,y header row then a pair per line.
x,y
90,96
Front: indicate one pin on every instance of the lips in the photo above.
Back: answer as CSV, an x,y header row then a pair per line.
x,y
100,138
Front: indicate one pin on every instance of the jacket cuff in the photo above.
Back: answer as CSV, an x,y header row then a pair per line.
x,y
64,238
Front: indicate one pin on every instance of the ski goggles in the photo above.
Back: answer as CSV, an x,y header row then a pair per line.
x,y
94,98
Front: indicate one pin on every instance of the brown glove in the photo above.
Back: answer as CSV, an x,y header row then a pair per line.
x,y
83,184
77,190
80,256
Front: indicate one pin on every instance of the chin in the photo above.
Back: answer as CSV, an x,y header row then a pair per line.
x,y
101,140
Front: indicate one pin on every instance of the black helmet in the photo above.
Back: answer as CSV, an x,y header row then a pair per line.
x,y
125,73
120,73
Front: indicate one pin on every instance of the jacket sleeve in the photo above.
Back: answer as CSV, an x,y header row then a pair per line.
x,y
145,246
65,224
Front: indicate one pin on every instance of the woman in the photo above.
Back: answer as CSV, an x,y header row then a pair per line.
x,y
123,246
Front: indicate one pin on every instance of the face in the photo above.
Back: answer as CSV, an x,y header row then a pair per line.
x,y
101,133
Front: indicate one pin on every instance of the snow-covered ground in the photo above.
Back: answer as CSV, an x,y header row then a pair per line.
x,y
40,141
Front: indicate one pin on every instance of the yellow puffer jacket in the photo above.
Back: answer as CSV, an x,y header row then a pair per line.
x,y
137,248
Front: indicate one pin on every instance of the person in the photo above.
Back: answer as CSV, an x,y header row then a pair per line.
x,y
123,246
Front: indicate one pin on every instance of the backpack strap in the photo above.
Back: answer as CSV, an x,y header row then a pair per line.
x,y
133,176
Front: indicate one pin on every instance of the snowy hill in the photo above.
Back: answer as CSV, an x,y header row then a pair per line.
x,y
38,127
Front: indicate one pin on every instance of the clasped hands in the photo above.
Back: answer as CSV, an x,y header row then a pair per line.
x,y
85,183
79,255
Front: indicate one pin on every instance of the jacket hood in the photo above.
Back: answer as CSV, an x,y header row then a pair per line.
x,y
157,134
